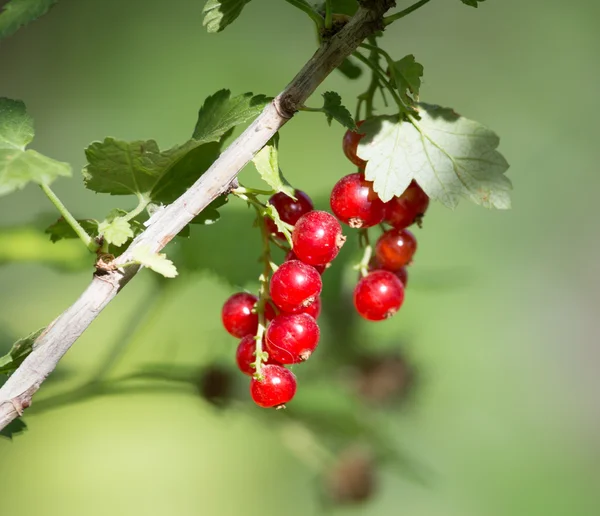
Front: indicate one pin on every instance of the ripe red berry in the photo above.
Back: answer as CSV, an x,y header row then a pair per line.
x,y
245,357
395,249
314,310
355,203
408,208
378,295
277,387
238,316
292,338
350,144
317,238
295,286
292,256
289,210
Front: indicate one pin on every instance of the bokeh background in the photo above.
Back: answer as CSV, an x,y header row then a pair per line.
x,y
499,330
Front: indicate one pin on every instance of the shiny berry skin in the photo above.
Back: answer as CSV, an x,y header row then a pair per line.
x,y
378,295
292,338
354,202
408,208
350,144
295,286
289,210
244,355
317,238
314,310
292,256
395,249
277,387
238,317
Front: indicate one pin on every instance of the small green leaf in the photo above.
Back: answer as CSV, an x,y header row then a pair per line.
x,y
19,352
266,162
220,113
16,126
334,109
282,227
18,13
448,155
17,165
61,230
349,69
115,232
220,13
14,428
472,3
406,75
155,261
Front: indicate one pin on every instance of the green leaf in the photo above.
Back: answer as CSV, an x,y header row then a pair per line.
x,y
19,352
17,165
266,162
210,214
16,126
334,109
282,227
61,230
349,69
155,261
406,75
472,3
115,232
448,155
220,113
18,13
220,13
15,427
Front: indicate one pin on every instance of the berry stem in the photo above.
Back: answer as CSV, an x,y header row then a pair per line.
x,y
367,96
393,17
365,243
253,191
313,15
66,214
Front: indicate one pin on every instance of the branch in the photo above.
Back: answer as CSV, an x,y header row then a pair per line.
x,y
59,336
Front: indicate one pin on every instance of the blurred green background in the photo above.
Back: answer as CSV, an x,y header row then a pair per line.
x,y
500,320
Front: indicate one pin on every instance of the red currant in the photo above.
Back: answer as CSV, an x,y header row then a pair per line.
x,y
245,356
295,286
277,387
350,144
408,208
395,249
289,210
238,314
292,256
378,295
355,203
292,338
314,310
317,238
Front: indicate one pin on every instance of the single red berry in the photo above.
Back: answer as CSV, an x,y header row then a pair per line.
x,y
408,208
355,203
238,314
276,388
289,210
292,338
294,286
292,256
245,355
378,295
314,310
317,238
395,249
350,144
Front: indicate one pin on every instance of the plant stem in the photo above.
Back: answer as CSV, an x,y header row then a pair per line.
x,y
367,96
255,191
363,265
328,14
143,203
314,15
81,233
393,17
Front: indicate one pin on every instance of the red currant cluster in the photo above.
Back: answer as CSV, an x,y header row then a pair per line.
x,y
379,292
284,319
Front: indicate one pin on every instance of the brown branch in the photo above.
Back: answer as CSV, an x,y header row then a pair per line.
x,y
16,393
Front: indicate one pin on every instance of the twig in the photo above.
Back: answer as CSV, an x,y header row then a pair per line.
x,y
16,393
